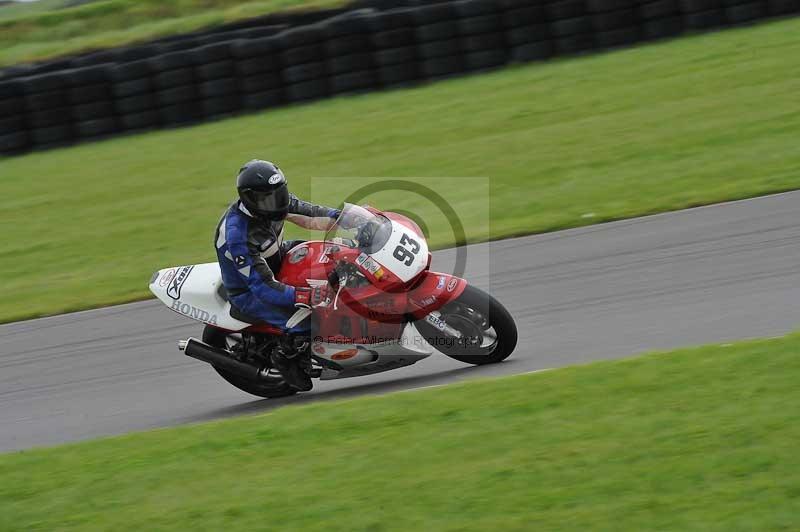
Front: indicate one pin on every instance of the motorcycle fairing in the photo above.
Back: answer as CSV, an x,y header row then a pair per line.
x,y
194,291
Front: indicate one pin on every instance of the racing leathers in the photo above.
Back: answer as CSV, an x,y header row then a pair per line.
x,y
250,250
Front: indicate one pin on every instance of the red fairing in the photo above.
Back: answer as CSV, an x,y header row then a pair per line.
x,y
307,261
298,266
406,221
433,292
372,313
264,328
364,314
412,225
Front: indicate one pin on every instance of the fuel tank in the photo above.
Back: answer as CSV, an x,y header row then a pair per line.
x,y
306,262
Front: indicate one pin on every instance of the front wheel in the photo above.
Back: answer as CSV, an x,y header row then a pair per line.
x,y
224,340
488,332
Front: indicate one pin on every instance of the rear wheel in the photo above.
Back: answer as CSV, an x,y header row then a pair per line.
x,y
225,340
489,334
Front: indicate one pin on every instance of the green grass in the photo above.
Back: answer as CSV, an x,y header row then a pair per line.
x,y
39,35
699,439
694,121
26,9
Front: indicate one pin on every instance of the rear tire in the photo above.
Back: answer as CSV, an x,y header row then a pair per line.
x,y
474,313
218,338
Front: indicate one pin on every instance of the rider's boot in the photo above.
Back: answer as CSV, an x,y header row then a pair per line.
x,y
291,364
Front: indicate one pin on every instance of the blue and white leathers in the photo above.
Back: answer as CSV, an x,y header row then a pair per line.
x,y
249,251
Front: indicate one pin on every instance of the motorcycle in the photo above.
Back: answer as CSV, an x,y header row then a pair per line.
x,y
389,310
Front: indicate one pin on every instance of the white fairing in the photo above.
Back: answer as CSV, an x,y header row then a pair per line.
x,y
357,360
193,291
416,247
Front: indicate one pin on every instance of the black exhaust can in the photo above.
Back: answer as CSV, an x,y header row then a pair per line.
x,y
219,358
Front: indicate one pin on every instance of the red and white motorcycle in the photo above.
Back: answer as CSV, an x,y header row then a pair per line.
x,y
389,309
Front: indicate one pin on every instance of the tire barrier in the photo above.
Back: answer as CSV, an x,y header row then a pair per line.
x,y
245,29
302,53
258,70
393,39
348,52
192,78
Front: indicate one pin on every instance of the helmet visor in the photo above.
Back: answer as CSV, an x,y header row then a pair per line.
x,y
268,201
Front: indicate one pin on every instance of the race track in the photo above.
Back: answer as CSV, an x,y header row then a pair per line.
x,y
704,275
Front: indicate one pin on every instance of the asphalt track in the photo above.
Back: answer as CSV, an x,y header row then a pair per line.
x,y
703,275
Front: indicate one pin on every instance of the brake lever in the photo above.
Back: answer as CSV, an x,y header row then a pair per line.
x,y
342,284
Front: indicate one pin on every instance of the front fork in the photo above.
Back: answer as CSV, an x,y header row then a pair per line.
x,y
435,319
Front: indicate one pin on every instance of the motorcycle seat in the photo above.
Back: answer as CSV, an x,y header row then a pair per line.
x,y
235,312
241,316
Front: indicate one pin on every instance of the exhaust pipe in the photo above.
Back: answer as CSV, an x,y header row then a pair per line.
x,y
218,358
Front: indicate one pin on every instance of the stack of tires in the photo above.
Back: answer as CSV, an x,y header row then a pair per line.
x,y
176,94
703,14
216,78
49,112
256,32
481,28
46,68
92,102
16,71
527,30
660,19
394,43
305,74
129,54
13,120
258,68
570,26
188,78
134,97
744,11
438,43
615,22
348,49
94,58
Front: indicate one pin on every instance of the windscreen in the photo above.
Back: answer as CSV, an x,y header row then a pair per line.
x,y
360,228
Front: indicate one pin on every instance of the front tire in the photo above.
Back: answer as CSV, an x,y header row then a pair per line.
x,y
219,338
489,332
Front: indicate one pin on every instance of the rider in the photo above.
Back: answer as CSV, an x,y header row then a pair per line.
x,y
250,248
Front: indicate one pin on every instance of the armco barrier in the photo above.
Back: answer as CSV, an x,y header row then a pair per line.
x,y
133,89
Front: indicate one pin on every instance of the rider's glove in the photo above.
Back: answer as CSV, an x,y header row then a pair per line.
x,y
311,297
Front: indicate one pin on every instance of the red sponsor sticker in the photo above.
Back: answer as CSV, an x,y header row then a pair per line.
x,y
298,254
430,300
318,348
344,355
166,278
452,285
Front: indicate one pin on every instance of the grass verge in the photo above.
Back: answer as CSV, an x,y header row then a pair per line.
x,y
698,439
14,10
108,23
694,121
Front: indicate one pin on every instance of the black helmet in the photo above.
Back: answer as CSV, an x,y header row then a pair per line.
x,y
262,189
